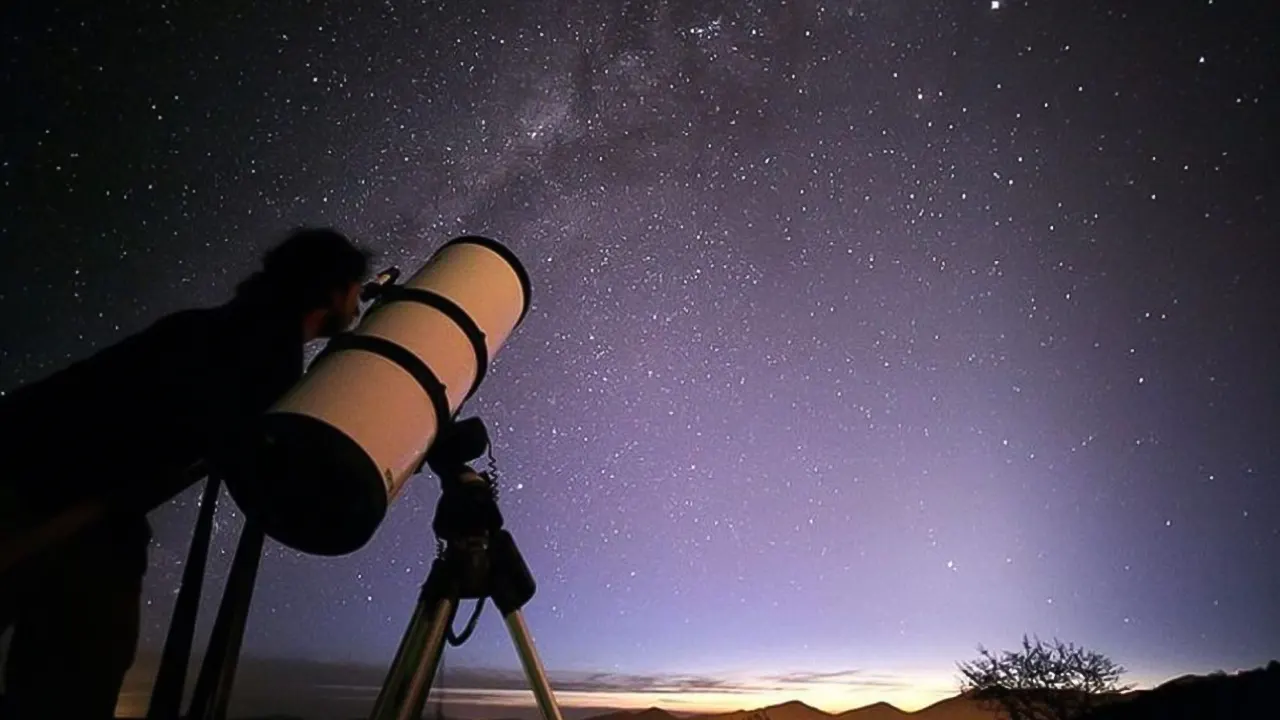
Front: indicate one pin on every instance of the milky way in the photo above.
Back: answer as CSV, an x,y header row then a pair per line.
x,y
863,333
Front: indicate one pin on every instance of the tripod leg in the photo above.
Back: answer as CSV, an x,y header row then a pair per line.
x,y
171,679
218,671
532,666
404,693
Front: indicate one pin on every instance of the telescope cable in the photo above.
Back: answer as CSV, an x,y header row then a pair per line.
x,y
492,471
457,640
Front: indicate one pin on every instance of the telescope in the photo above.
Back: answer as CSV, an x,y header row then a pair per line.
x,y
332,454
376,405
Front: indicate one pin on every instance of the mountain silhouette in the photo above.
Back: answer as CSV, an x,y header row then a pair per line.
x,y
652,713
1247,695
875,711
956,708
959,707
793,710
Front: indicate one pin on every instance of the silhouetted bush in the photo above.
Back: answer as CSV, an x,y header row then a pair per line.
x,y
1042,681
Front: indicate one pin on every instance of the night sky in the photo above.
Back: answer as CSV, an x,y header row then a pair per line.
x,y
863,333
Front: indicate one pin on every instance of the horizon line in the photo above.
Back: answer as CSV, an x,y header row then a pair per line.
x,y
266,680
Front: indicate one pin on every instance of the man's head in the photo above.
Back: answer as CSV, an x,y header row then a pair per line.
x,y
317,274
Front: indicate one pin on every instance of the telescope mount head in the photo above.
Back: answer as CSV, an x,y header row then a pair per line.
x,y
468,506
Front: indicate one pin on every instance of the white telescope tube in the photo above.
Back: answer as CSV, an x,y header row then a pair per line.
x,y
338,447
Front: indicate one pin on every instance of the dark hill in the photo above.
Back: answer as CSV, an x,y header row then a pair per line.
x,y
1248,695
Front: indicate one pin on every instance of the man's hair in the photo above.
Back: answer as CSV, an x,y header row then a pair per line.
x,y
304,270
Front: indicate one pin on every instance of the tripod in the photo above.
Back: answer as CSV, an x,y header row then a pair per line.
x,y
478,560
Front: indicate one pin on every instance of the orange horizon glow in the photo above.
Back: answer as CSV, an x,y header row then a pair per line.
x,y
828,699
823,696
915,692
908,691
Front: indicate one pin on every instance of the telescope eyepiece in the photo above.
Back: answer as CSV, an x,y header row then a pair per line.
x,y
380,282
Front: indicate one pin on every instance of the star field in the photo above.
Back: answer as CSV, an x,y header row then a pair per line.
x,y
862,333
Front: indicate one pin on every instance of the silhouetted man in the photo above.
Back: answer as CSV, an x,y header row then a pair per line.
x,y
125,425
